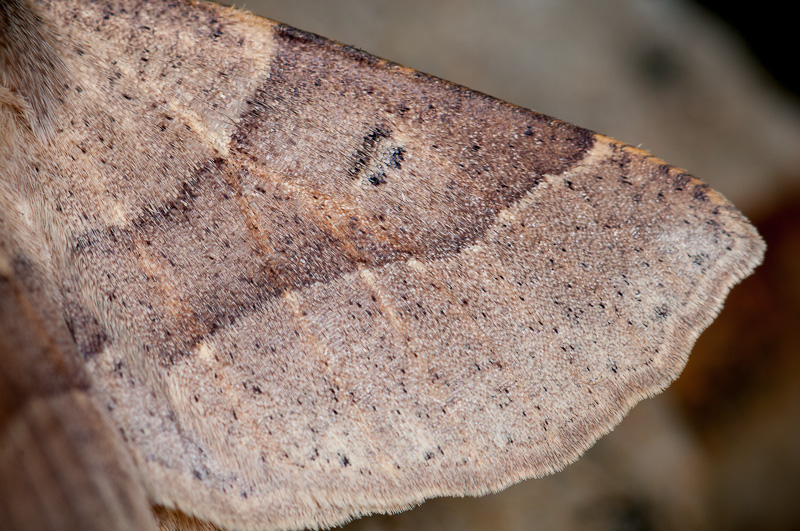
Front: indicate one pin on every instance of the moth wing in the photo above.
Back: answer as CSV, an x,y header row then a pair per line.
x,y
307,284
63,464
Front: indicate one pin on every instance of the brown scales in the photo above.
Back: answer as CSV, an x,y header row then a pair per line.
x,y
286,283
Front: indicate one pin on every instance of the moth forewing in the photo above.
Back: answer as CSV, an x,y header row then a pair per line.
x,y
296,283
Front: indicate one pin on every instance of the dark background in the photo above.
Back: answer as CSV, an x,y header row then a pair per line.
x,y
769,33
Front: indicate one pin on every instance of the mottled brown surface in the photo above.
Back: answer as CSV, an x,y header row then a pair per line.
x,y
307,284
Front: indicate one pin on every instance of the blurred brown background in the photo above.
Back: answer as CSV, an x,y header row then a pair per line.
x,y
721,448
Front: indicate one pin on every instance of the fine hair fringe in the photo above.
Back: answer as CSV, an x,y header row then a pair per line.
x,y
32,73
